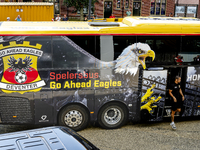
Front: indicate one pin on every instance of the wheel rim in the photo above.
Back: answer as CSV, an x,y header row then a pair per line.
x,y
112,116
73,118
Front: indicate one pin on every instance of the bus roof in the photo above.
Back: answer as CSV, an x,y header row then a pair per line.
x,y
111,26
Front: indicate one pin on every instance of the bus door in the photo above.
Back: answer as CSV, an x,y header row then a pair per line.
x,y
172,73
192,92
153,94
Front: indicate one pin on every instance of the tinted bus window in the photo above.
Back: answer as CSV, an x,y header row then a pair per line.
x,y
67,54
88,43
46,60
190,48
165,47
121,42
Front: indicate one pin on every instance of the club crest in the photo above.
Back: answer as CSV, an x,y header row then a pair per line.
x,y
20,68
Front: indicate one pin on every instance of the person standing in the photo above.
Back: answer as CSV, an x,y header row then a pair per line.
x,y
112,16
176,94
128,12
8,18
85,18
58,17
65,18
18,18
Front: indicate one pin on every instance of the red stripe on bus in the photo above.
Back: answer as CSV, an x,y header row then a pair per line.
x,y
92,34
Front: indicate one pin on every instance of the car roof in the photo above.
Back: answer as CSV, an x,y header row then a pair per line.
x,y
49,138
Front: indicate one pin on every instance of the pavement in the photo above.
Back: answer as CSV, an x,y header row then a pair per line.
x,y
155,136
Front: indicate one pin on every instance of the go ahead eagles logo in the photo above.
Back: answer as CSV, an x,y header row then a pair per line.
x,y
20,68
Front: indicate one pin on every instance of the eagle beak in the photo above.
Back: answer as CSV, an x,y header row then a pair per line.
x,y
142,58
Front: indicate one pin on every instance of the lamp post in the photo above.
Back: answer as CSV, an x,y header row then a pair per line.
x,y
89,9
123,9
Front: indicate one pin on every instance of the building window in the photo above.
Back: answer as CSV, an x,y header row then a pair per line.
x,y
118,4
158,7
185,11
86,10
127,4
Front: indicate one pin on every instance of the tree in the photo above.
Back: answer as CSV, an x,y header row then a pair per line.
x,y
79,5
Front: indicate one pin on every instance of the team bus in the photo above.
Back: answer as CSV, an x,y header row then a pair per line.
x,y
104,71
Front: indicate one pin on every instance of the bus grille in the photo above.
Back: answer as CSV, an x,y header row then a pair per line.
x,y
15,110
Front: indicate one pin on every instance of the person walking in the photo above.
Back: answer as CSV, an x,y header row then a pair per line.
x,y
176,94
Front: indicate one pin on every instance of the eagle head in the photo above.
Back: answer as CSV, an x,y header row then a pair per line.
x,y
142,51
132,57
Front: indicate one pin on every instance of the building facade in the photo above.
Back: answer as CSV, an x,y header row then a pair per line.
x,y
104,8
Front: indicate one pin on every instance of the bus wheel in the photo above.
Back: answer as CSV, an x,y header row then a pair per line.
x,y
74,117
112,116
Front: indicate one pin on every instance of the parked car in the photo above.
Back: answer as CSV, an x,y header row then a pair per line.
x,y
48,138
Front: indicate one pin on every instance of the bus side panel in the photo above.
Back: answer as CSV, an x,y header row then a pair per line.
x,y
63,98
153,95
191,106
43,107
16,108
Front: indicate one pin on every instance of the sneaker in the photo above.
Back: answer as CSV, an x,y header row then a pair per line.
x,y
173,126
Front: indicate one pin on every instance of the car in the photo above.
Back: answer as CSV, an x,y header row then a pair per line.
x,y
48,138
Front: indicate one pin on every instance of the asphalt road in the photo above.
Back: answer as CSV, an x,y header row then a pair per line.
x,y
156,136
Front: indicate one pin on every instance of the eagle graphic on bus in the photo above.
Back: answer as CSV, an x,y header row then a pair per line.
x,y
20,71
132,57
129,60
20,68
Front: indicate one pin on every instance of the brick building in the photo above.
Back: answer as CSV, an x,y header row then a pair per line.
x,y
103,9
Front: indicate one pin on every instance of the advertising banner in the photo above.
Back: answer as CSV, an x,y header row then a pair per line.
x,y
192,92
153,95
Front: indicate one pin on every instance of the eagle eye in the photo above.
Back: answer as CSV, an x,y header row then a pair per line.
x,y
140,51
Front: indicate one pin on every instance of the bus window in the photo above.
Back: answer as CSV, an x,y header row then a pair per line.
x,y
67,54
121,42
190,48
107,49
165,47
88,43
63,54
46,60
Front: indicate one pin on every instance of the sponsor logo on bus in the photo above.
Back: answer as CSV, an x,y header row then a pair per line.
x,y
20,68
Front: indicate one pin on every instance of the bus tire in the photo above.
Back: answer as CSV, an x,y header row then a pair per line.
x,y
74,117
112,116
